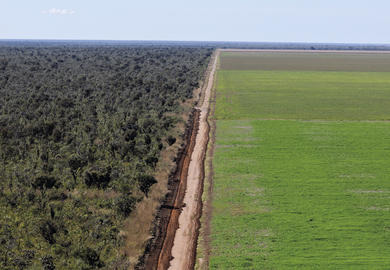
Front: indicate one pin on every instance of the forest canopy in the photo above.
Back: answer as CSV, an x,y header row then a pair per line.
x,y
81,131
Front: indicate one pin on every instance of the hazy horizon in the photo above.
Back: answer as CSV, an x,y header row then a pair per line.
x,y
190,41
345,22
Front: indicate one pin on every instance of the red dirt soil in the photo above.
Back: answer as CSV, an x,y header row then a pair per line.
x,y
178,221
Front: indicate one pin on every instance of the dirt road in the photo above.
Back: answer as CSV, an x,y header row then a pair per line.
x,y
184,246
178,220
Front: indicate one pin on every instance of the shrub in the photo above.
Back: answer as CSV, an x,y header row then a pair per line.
x,y
125,205
44,182
171,140
145,182
98,178
47,230
91,258
47,263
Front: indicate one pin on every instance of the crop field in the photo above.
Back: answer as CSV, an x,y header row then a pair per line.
x,y
301,166
325,61
303,95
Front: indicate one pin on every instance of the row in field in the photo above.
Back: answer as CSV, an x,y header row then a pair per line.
x,y
325,61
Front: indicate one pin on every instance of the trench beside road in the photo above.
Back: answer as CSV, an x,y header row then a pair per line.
x,y
175,246
186,237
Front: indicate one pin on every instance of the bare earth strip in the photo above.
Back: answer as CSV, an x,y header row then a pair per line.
x,y
184,247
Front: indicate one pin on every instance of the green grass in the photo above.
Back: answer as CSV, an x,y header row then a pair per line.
x,y
301,195
302,175
303,95
350,61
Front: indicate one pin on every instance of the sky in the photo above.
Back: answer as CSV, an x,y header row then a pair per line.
x,y
329,21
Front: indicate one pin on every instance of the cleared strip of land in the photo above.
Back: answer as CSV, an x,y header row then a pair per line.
x,y
301,175
184,245
175,238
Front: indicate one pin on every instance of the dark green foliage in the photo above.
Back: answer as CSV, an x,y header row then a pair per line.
x,y
98,178
125,204
24,260
47,263
145,182
44,182
91,258
171,140
75,163
47,230
81,130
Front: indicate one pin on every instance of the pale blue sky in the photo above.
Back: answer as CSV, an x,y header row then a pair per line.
x,y
355,21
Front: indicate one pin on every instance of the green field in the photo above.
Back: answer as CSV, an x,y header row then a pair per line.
x,y
328,61
301,170
303,95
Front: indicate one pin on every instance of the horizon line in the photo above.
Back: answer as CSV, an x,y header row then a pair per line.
x,y
194,41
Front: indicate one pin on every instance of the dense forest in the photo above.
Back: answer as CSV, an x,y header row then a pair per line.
x,y
81,131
